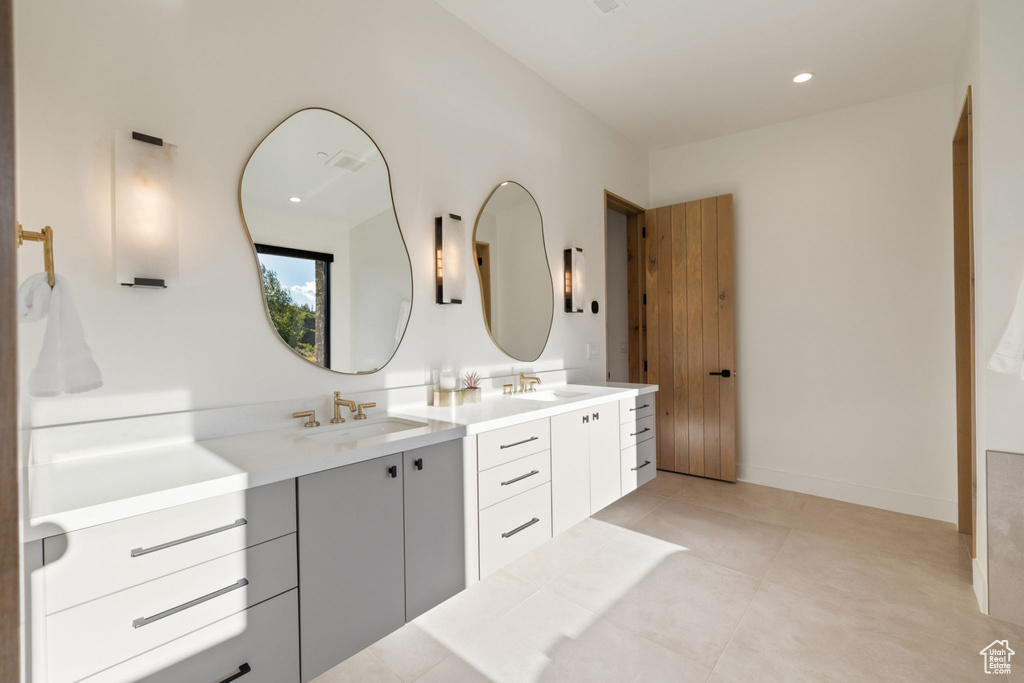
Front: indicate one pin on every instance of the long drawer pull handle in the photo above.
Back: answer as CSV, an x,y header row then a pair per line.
x,y
145,621
512,481
510,534
645,429
646,405
242,670
520,443
639,466
170,544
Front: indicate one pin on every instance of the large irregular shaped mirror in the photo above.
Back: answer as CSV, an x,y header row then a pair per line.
x,y
512,263
334,269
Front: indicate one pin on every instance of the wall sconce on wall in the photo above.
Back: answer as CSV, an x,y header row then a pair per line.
x,y
145,225
449,240
574,280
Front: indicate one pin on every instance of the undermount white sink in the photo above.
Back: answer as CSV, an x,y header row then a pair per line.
x,y
548,396
353,430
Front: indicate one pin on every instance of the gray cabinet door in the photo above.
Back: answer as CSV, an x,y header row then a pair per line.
x,y
435,541
351,560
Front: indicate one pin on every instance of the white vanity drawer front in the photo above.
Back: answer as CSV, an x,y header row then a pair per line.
x,y
88,564
632,434
639,465
260,643
504,481
631,409
88,638
511,443
514,527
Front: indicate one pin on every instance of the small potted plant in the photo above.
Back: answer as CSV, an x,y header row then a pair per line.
x,y
471,388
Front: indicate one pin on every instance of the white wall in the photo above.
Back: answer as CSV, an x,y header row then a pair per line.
x,y
452,114
844,298
617,297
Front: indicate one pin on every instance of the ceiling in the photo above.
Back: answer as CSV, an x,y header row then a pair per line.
x,y
670,72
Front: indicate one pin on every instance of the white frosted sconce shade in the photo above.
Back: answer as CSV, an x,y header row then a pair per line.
x,y
145,221
449,243
574,269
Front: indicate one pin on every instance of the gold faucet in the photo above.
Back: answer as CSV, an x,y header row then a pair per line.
x,y
309,416
338,403
523,380
361,415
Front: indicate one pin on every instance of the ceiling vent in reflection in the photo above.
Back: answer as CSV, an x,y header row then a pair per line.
x,y
348,161
607,7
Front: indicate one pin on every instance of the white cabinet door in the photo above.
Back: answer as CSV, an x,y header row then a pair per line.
x,y
351,560
570,468
605,456
435,538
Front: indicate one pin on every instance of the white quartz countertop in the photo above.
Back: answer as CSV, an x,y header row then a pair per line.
x,y
78,493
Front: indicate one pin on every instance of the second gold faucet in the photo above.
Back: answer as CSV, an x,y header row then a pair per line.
x,y
352,406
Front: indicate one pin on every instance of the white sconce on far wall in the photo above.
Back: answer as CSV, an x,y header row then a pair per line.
x,y
449,238
574,263
145,224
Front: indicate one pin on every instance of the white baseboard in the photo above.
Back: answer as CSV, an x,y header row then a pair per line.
x,y
980,585
897,501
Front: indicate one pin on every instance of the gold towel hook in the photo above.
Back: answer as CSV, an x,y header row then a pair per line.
x,y
46,237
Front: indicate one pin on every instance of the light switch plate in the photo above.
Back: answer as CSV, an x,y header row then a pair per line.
x,y
593,350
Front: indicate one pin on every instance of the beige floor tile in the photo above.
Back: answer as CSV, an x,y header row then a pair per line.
x,y
762,503
363,667
410,651
745,545
785,636
664,484
543,565
629,509
465,615
453,670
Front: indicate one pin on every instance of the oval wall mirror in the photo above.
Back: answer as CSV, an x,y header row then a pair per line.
x,y
333,266
512,265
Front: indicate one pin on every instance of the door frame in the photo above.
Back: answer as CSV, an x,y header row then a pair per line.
x,y
964,315
635,283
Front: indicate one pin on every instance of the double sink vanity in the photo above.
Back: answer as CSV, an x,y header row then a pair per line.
x,y
271,556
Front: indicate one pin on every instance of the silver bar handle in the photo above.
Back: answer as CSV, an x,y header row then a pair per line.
x,y
170,544
634,469
646,405
509,534
520,443
645,429
512,481
145,621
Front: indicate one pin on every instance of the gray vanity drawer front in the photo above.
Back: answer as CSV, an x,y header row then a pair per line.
x,y
89,638
502,482
631,409
88,564
261,643
500,446
639,465
632,434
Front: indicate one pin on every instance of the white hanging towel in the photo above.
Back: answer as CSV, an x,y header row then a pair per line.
x,y
65,362
1009,356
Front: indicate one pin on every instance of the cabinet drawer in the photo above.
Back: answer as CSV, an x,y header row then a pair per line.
x,y
261,643
88,638
642,430
639,465
511,443
504,481
88,564
631,409
513,527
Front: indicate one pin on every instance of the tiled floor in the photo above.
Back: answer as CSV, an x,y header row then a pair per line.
x,y
694,580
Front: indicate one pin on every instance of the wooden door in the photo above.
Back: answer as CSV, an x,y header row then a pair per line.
x,y
483,264
688,262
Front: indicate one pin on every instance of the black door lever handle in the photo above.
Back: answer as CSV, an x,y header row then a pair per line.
x,y
723,373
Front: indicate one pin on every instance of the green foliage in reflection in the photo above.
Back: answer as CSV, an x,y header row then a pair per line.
x,y
296,324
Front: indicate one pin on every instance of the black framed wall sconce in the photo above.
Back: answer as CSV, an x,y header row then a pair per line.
x,y
449,243
574,267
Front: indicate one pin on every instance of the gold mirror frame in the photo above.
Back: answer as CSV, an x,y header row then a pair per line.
x,y
480,278
256,259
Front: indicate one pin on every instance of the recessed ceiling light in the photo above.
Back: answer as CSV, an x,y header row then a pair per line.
x,y
803,77
294,199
